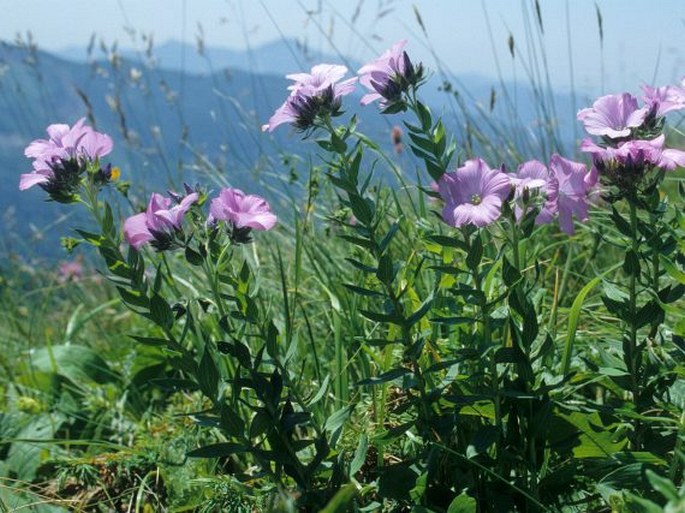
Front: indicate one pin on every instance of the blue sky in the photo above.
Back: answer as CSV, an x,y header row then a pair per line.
x,y
644,40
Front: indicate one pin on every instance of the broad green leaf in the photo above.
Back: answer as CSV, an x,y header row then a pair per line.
x,y
462,503
77,363
342,500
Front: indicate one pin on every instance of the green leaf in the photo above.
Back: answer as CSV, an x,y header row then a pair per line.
x,y
385,377
231,421
387,238
596,440
193,257
453,321
358,241
260,423
622,225
338,418
32,447
342,500
353,170
423,143
462,503
510,274
664,486
381,317
160,312
424,116
108,222
362,291
573,318
450,242
362,267
94,239
421,312
359,454
648,313
386,270
208,375
362,209
272,340
672,270
218,450
475,254
439,138
321,392
631,263
239,351
77,363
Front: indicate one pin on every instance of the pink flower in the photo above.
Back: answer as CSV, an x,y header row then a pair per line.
x,y
60,160
159,224
312,95
241,210
636,152
473,194
613,116
70,271
568,192
531,179
665,99
388,76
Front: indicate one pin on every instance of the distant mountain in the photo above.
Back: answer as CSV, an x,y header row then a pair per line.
x,y
275,58
173,119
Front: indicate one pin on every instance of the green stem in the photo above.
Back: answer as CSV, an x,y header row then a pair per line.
x,y
212,278
345,160
484,311
656,270
633,355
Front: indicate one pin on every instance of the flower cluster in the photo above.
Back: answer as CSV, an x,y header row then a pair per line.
x,y
161,223
389,77
475,194
632,146
242,213
317,95
313,95
61,160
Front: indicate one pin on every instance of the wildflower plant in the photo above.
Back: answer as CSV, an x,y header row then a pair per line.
x,y
445,299
631,164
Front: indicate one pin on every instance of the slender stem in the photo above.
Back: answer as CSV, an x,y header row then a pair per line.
x,y
516,254
633,356
211,274
487,339
655,274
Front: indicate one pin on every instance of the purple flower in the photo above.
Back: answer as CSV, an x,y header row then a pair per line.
x,y
473,194
159,224
613,116
532,176
389,76
243,213
312,95
60,160
70,271
635,154
568,192
663,100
